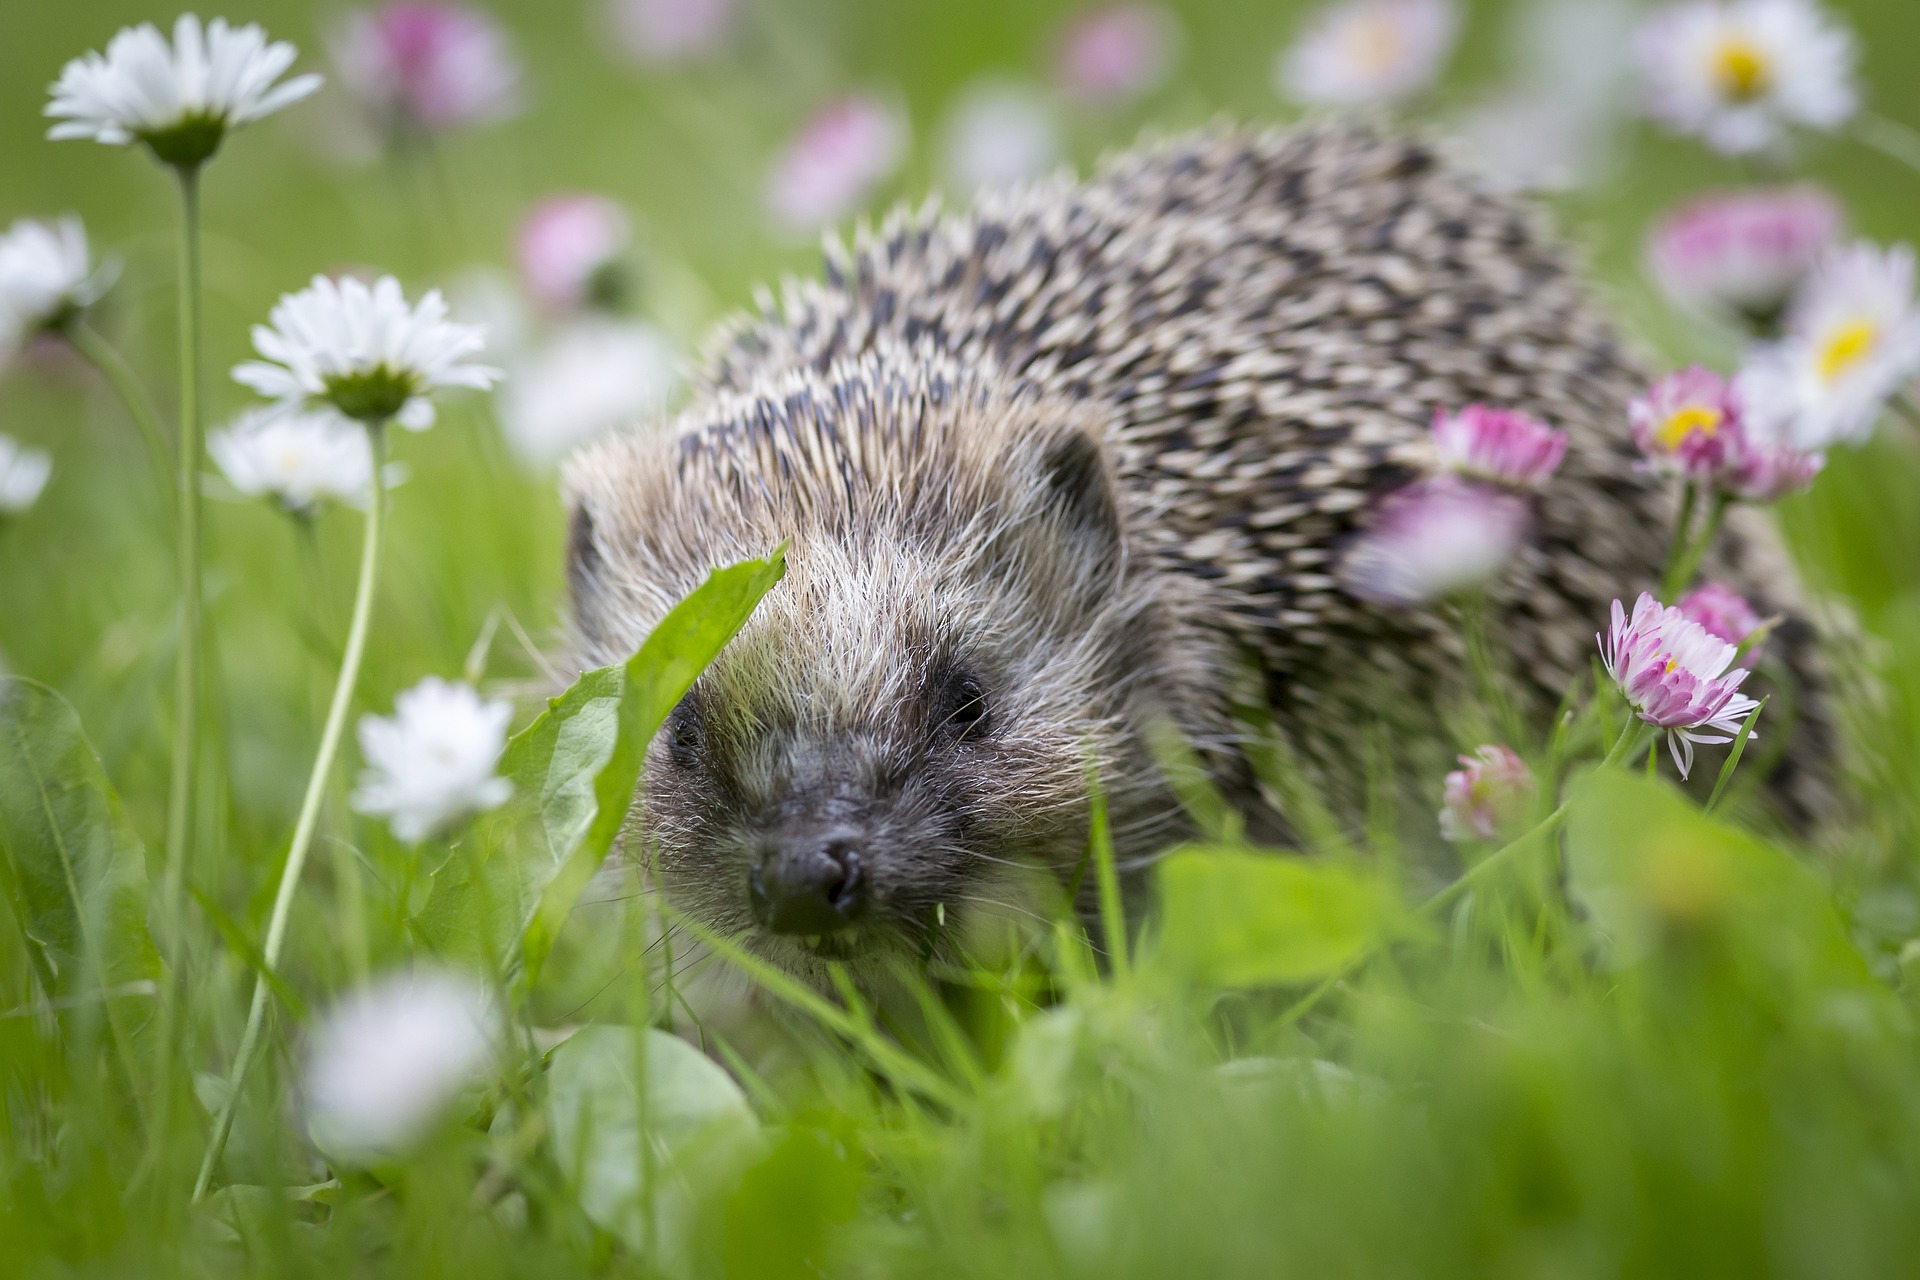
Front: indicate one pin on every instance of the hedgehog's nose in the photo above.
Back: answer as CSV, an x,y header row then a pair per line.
x,y
808,884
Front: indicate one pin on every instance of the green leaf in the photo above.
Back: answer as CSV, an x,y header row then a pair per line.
x,y
75,871
641,1158
585,754
1649,868
1238,919
575,770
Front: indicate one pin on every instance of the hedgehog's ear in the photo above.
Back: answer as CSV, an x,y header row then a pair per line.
x,y
1079,490
583,563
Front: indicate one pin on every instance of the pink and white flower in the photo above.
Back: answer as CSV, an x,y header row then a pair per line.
x,y
1852,338
1742,254
1688,425
663,32
1357,52
1769,470
1691,425
1485,794
567,247
1112,54
1498,446
1740,73
840,155
1434,539
1724,613
427,66
1674,674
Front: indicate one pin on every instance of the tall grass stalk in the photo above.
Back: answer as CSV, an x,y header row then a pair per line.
x,y
112,366
309,807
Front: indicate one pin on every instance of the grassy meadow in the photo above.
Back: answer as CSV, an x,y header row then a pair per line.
x,y
1640,1040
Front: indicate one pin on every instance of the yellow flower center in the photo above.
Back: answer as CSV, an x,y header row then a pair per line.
x,y
1846,347
1668,670
1375,45
1684,422
1740,70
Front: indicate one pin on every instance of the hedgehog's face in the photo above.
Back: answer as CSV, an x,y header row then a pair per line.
x,y
898,743
904,734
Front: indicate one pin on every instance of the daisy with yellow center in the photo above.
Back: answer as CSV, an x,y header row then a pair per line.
x,y
1739,74
1357,52
1852,339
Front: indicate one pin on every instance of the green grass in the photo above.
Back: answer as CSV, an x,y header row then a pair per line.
x,y
1655,1043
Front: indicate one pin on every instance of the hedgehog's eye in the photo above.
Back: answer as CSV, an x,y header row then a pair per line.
x,y
964,712
685,735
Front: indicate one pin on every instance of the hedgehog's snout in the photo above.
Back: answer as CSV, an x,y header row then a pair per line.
x,y
808,881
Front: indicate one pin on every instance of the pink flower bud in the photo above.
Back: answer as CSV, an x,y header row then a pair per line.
x,y
840,155
1497,445
1434,539
565,242
1114,53
1485,795
428,66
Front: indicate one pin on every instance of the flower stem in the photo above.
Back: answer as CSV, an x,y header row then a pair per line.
x,y
1890,138
1472,876
112,366
186,672
1680,572
309,808
1677,548
1623,746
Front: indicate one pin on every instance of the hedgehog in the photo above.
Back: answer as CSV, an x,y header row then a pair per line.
x,y
1075,471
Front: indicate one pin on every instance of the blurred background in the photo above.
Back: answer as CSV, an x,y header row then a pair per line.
x,y
716,139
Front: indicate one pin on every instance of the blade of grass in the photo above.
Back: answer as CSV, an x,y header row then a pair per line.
x,y
1740,741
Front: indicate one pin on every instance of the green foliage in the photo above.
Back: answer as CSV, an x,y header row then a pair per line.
x,y
1649,1043
75,871
1237,919
643,1124
574,770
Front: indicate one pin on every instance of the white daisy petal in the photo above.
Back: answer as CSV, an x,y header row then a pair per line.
x,y
364,351
1740,73
46,277
433,762
298,459
180,98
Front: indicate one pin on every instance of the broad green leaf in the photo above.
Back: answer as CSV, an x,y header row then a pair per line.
x,y
1238,919
640,1157
75,871
585,754
1647,864
575,770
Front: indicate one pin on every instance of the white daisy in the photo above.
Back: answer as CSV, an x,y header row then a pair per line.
x,y
364,351
180,99
1367,51
1852,337
999,134
297,458
1740,73
385,1062
45,278
433,762
23,474
593,376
